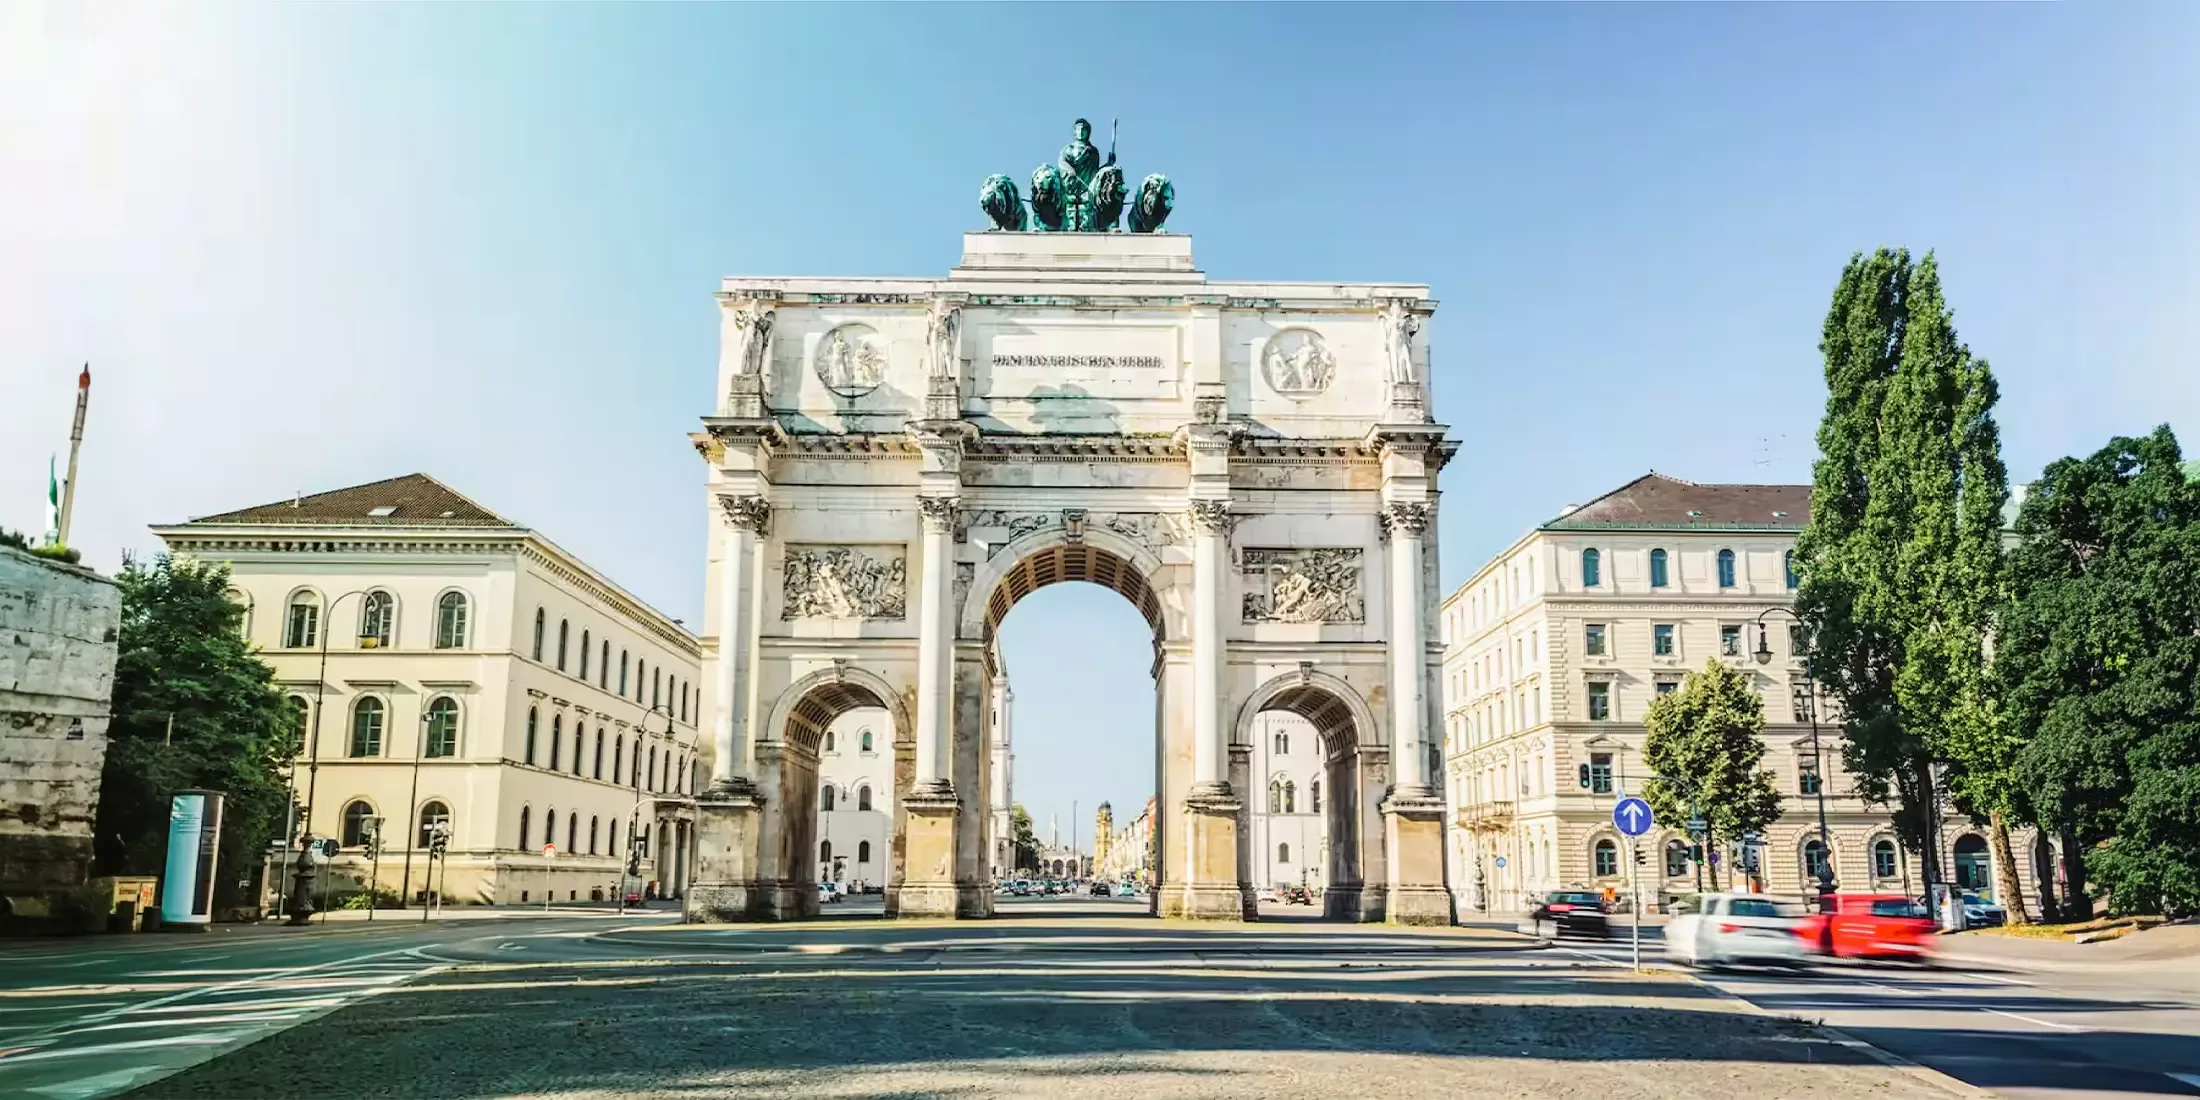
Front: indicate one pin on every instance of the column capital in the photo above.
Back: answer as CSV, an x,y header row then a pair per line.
x,y
747,512
1405,517
1211,516
940,513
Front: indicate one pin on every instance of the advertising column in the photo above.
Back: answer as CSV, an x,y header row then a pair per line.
x,y
194,835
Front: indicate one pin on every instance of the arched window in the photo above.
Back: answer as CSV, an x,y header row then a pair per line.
x,y
863,851
1607,858
357,817
1814,861
529,757
366,727
1290,797
538,633
1972,862
641,677
1787,566
1283,853
826,799
524,812
1275,796
302,621
580,739
1592,569
1283,744
622,674
687,695
565,631
450,621
863,797
301,718
442,731
557,739
652,780
611,840
598,765
377,612
433,814
550,826
1883,858
864,741
828,740
593,833
680,775
573,832
586,649
603,666
1314,796
243,612
1726,568
825,857
656,682
1676,859
618,757
695,774
1657,569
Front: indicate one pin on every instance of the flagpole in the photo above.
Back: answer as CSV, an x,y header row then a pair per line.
x,y
76,442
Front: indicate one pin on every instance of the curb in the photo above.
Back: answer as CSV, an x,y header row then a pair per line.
x,y
1953,1085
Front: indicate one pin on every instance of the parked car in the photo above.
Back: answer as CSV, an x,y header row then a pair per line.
x,y
1739,928
1127,890
828,892
1568,913
1980,911
1020,888
1294,894
1100,890
1870,926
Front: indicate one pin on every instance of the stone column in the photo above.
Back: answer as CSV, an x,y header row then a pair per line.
x,y
1413,813
1210,591
748,519
935,648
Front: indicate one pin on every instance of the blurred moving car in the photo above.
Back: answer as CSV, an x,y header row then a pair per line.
x,y
1567,913
1100,890
1294,894
828,892
1020,888
1870,926
1740,928
1127,890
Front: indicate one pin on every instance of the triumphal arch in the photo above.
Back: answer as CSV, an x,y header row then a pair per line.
x,y
894,462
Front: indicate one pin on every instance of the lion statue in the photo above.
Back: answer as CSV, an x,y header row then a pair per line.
x,y
1156,197
999,200
1046,198
1107,198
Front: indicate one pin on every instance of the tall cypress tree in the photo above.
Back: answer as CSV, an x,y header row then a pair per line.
x,y
1901,557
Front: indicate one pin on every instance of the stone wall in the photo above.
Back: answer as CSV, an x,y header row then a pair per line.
x,y
58,626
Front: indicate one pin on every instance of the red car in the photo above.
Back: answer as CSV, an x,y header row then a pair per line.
x,y
1870,926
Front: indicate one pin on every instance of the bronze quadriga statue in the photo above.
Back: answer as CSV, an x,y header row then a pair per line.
x,y
1078,193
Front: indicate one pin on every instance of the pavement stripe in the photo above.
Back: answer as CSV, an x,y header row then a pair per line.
x,y
116,1048
2192,1079
2034,1020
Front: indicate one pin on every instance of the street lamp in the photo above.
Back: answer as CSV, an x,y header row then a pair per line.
x,y
301,896
1805,698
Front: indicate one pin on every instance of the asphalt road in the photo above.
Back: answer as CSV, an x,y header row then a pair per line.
x,y
2022,1032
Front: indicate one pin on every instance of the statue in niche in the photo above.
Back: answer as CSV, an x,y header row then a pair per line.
x,y
753,320
942,330
1079,193
1399,327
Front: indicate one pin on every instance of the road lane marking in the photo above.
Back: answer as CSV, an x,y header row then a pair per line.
x,y
1996,978
113,1048
1894,989
2036,1020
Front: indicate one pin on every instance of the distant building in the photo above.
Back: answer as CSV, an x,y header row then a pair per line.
x,y
855,801
1001,758
1553,653
1103,834
1287,821
58,626
478,676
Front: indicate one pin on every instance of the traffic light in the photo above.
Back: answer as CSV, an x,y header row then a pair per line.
x,y
1585,777
439,839
634,865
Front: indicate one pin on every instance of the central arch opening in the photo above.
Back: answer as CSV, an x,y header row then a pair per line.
x,y
1073,735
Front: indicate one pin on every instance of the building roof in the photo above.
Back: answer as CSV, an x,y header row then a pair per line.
x,y
1655,502
414,500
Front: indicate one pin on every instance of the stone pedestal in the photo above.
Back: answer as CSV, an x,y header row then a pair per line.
x,y
930,890
726,886
1413,831
1206,887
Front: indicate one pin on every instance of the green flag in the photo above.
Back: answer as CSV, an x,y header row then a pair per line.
x,y
53,503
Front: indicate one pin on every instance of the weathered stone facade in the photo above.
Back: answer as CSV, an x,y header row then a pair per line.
x,y
58,626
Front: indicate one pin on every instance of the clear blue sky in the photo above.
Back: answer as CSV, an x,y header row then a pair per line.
x,y
309,246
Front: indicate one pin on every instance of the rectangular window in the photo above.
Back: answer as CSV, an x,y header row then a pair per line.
x,y
1592,641
1806,776
1661,639
1730,641
1600,773
1798,639
1666,687
1600,701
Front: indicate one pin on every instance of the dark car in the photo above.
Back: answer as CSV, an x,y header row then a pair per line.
x,y
1568,913
1102,890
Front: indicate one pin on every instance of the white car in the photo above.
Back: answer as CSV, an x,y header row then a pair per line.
x,y
1738,928
828,892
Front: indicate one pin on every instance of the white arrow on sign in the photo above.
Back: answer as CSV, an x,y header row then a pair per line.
x,y
1633,816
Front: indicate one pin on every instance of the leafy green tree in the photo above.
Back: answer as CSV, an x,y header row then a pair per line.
x,y
1901,559
193,707
1025,842
2100,657
1705,744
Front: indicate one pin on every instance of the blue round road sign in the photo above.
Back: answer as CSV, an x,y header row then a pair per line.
x,y
1501,861
1633,816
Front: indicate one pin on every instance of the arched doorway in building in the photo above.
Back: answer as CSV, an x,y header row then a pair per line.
x,y
1974,868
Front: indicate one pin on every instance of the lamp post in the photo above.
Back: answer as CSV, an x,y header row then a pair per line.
x,y
1805,697
301,895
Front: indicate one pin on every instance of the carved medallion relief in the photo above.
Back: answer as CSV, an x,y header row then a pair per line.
x,y
846,582
1303,586
851,360
1297,364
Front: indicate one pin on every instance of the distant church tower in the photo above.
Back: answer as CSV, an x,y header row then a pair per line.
x,y
1103,835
